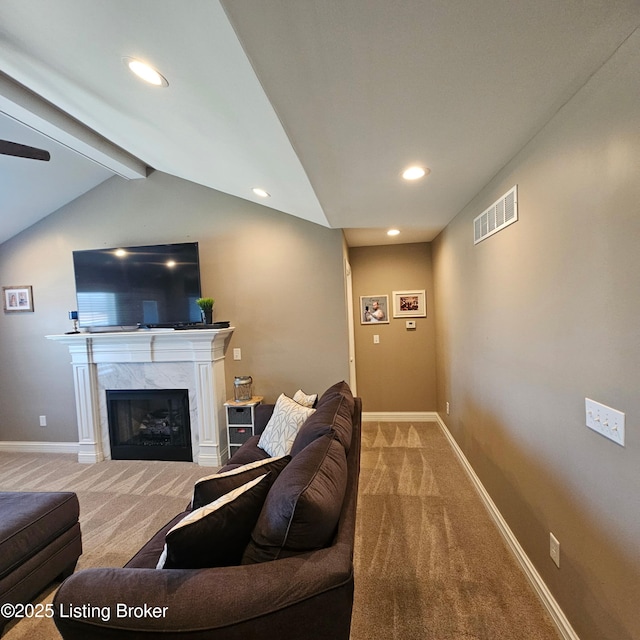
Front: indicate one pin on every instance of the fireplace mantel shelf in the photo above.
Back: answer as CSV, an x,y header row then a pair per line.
x,y
153,345
154,358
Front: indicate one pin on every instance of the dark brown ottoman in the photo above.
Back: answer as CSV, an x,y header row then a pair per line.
x,y
39,542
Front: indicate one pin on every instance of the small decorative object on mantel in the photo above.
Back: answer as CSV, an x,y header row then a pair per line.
x,y
206,306
242,388
18,298
73,315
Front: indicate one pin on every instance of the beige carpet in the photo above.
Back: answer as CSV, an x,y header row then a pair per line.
x,y
430,564
122,504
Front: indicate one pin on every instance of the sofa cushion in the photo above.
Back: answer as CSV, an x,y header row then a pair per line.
x,y
339,388
215,535
303,506
305,399
262,414
333,415
212,487
318,425
248,452
287,418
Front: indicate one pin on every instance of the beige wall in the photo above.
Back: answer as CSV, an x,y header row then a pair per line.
x,y
540,316
398,374
270,273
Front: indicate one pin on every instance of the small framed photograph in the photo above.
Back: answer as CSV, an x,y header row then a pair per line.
x,y
410,304
374,309
18,298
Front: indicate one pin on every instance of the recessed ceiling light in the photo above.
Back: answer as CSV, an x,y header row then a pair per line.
x,y
393,232
146,72
261,192
415,173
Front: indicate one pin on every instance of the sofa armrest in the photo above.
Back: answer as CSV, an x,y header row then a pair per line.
x,y
226,602
261,416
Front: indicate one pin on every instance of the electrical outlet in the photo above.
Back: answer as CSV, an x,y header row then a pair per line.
x,y
605,420
554,549
237,354
43,421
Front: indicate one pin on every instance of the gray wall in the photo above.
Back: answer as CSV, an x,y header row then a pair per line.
x,y
540,316
398,374
270,273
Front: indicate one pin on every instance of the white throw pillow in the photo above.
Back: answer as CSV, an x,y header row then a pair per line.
x,y
306,400
287,418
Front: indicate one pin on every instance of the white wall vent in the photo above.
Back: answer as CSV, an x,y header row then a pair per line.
x,y
499,215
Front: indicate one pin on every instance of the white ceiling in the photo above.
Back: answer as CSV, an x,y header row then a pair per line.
x,y
320,102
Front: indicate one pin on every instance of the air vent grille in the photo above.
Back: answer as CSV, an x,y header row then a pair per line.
x,y
499,215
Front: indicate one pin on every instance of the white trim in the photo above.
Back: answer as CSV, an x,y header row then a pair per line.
x,y
39,447
22,105
560,620
161,354
348,280
399,416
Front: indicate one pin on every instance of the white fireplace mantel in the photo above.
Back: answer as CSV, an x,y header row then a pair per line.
x,y
150,359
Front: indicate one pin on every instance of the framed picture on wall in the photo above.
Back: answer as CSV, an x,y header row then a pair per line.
x,y
19,298
410,304
374,309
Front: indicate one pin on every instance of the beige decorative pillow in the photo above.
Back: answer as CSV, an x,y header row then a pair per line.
x,y
287,418
304,399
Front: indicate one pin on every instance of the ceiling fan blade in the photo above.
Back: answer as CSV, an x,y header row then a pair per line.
x,y
23,151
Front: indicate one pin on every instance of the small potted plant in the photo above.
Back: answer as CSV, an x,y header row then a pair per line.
x,y
206,306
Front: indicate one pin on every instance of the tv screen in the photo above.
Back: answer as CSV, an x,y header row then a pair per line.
x,y
125,287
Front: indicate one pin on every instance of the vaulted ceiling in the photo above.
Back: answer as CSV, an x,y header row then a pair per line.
x,y
322,103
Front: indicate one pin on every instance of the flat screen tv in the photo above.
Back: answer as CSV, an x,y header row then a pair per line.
x,y
129,287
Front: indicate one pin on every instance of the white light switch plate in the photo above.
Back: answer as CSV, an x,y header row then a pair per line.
x,y
605,420
554,549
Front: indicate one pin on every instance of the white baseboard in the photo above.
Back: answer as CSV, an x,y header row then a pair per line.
x,y
39,447
399,416
560,620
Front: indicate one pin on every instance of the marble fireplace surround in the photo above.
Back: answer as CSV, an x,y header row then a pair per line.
x,y
190,359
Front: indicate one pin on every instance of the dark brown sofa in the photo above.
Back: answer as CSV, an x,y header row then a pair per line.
x,y
39,542
297,595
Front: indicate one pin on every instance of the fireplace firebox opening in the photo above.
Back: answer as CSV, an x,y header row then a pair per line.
x,y
149,424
